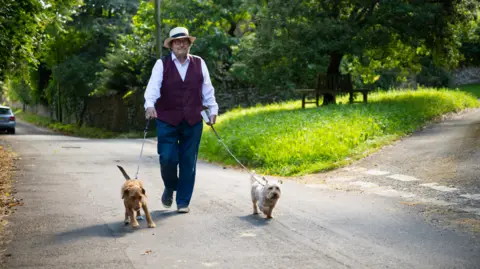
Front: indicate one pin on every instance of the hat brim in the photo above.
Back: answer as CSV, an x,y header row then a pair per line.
x,y
167,41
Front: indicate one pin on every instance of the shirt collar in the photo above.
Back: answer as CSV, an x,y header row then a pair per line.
x,y
174,58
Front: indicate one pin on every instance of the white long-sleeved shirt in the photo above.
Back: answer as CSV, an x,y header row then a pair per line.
x,y
152,93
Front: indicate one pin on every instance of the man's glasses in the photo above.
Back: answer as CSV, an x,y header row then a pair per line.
x,y
181,41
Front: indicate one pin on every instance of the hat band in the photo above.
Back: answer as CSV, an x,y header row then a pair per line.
x,y
178,35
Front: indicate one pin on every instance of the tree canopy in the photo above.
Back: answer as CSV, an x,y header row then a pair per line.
x,y
62,52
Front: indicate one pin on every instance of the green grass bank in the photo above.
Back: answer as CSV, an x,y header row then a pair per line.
x,y
283,139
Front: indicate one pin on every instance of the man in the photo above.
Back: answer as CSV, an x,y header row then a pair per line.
x,y
178,89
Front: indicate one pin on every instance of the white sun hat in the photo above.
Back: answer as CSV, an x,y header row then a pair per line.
x,y
177,33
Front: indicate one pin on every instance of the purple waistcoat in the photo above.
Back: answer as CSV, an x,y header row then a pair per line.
x,y
180,99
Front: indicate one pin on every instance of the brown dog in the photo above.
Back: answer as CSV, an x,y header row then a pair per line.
x,y
134,197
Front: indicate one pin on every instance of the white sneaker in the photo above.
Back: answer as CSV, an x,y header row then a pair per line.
x,y
183,210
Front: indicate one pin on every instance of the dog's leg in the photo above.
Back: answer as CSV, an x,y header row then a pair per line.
x,y
139,215
269,212
265,209
126,217
150,222
255,208
133,219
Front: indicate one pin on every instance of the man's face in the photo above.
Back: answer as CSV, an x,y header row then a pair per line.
x,y
181,47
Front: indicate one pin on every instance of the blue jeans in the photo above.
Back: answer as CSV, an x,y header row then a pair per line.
x,y
178,147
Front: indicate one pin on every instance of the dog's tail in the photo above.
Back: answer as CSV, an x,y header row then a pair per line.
x,y
123,172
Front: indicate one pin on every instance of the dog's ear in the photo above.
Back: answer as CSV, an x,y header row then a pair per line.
x,y
280,181
125,193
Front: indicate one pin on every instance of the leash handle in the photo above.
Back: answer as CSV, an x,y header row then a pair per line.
x,y
219,139
141,151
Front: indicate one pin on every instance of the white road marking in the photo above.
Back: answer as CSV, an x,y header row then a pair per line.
x,y
364,184
403,177
382,191
437,187
209,264
471,210
354,169
435,201
393,193
375,172
472,196
247,234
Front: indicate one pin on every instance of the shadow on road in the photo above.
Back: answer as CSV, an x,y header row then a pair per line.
x,y
115,229
256,220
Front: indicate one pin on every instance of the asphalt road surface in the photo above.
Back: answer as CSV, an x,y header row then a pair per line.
x,y
72,217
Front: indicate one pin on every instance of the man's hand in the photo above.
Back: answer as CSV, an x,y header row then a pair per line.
x,y
213,118
150,113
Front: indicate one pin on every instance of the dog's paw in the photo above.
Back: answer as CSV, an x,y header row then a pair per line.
x,y
152,225
135,225
126,222
139,217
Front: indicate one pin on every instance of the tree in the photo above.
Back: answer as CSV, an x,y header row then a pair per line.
x,y
22,24
217,23
73,53
296,38
20,27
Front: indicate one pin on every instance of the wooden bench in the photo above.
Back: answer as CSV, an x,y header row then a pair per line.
x,y
333,84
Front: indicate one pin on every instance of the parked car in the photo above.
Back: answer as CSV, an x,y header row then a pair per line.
x,y
7,120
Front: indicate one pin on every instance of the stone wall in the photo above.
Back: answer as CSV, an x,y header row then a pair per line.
x,y
466,75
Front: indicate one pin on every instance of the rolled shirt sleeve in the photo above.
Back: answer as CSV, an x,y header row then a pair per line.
x,y
208,92
152,93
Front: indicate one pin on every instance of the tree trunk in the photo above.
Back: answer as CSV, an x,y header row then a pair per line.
x,y
81,119
333,68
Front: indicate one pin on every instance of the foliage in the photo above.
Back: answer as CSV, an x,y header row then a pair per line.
x,y
217,24
71,50
73,55
282,139
471,88
22,24
16,42
126,68
296,39
432,75
470,45
22,91
67,129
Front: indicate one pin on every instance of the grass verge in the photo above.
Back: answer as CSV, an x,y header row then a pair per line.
x,y
285,140
471,88
82,131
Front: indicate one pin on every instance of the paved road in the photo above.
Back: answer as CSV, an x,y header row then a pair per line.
x,y
438,167
73,213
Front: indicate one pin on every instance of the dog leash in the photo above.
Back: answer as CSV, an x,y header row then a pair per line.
x,y
141,151
221,141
